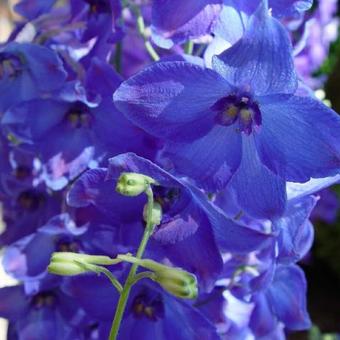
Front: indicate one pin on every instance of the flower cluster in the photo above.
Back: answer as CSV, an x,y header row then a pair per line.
x,y
187,125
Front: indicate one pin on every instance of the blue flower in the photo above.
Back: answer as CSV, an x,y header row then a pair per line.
x,y
67,131
189,223
34,316
35,250
151,313
239,124
27,71
284,301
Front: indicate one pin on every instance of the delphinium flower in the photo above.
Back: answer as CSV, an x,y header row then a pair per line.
x,y
232,130
50,312
165,213
28,71
67,131
189,221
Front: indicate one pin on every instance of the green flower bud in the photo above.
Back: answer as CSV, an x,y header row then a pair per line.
x,y
68,264
66,268
178,282
156,213
133,184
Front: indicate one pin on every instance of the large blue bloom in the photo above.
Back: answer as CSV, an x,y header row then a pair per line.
x,y
239,123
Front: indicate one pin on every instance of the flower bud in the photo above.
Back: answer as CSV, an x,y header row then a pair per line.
x,y
133,184
178,282
68,264
156,213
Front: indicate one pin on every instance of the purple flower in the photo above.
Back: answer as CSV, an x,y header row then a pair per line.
x,y
68,131
150,311
28,71
239,124
190,222
47,312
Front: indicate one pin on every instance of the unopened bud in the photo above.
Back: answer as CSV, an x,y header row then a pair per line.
x,y
69,264
156,216
133,184
178,282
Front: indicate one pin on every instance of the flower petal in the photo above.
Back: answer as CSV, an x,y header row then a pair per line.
x,y
210,160
287,296
262,60
259,191
300,138
167,98
176,21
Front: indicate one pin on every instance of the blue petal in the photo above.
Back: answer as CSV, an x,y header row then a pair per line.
x,y
179,227
296,232
287,296
262,60
93,188
262,321
13,302
45,66
207,264
289,8
300,138
259,191
132,163
230,235
299,190
234,18
32,120
31,9
167,98
210,160
175,21
101,78
98,303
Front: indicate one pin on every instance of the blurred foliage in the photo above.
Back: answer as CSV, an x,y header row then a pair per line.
x,y
315,334
327,245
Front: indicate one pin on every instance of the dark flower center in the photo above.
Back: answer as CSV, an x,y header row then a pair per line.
x,y
30,200
45,299
99,6
22,172
68,246
10,66
148,306
79,116
239,109
166,197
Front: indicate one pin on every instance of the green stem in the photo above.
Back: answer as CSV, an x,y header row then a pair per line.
x,y
143,275
102,270
141,30
113,280
131,277
189,47
118,57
